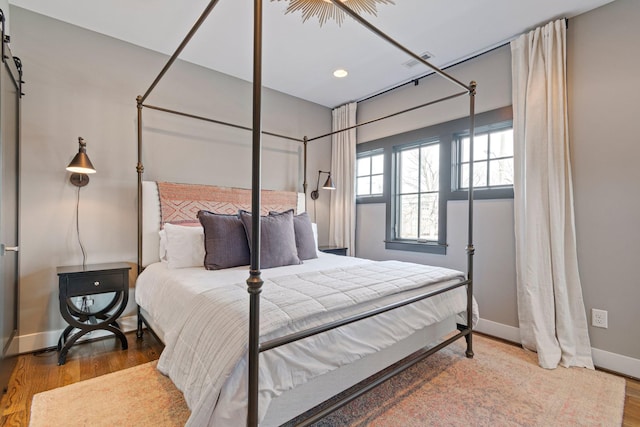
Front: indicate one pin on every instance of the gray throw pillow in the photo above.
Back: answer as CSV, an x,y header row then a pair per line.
x,y
225,241
305,242
277,239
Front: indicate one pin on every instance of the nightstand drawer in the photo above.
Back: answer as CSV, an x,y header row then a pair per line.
x,y
336,250
87,284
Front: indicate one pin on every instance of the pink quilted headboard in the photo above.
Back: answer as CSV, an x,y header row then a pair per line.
x,y
179,203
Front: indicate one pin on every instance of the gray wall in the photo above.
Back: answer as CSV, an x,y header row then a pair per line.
x,y
495,275
603,68
602,73
80,83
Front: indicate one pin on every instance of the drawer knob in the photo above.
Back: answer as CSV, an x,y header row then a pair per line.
x,y
96,283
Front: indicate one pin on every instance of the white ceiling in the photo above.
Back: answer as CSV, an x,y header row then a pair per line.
x,y
299,58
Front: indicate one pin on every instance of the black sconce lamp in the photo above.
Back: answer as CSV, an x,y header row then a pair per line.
x,y
328,185
81,166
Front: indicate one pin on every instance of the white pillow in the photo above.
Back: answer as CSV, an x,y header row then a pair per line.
x,y
184,246
314,227
163,245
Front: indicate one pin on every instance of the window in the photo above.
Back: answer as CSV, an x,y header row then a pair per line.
x,y
370,174
417,192
426,168
492,159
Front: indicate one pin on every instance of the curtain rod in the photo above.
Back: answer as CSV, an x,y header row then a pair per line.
x,y
416,80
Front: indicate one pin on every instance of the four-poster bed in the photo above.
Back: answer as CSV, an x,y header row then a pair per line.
x,y
433,286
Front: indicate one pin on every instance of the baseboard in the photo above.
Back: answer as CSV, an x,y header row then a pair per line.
x,y
613,362
498,330
34,342
616,362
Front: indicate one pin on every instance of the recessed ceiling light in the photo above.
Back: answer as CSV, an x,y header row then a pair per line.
x,y
340,73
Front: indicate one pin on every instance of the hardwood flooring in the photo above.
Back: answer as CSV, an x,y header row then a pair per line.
x,y
39,372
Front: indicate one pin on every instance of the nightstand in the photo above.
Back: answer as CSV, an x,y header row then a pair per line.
x,y
336,250
84,281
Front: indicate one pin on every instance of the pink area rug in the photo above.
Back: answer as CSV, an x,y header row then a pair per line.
x,y
501,386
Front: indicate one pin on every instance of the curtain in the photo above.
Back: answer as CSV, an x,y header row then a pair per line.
x,y
551,310
342,212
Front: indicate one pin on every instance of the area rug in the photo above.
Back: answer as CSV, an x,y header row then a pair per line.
x,y
501,386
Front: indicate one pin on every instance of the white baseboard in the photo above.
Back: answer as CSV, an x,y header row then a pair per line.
x,y
499,330
602,359
616,362
38,341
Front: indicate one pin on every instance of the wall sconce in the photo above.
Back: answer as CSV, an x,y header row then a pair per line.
x,y
80,166
328,185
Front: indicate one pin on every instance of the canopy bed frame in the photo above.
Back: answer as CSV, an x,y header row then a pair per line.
x,y
255,281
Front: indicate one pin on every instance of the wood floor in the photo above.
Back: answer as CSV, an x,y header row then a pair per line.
x,y
39,372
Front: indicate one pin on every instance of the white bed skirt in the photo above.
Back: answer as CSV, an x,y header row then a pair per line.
x,y
294,402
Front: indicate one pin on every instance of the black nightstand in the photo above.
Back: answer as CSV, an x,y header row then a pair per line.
x,y
79,281
336,250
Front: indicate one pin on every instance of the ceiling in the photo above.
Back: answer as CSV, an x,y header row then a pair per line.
x,y
299,58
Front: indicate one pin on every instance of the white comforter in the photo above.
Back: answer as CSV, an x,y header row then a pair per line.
x,y
191,305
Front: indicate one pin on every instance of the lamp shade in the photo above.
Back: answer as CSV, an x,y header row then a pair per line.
x,y
328,184
81,162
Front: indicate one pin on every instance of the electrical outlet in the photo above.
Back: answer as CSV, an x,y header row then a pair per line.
x,y
599,318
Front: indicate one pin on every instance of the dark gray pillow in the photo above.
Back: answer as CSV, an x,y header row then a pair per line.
x,y
225,241
277,239
305,242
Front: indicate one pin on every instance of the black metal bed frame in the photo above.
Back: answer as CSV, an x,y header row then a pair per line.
x,y
255,282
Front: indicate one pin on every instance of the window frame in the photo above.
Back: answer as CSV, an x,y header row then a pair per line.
x,y
371,198
396,194
482,193
446,133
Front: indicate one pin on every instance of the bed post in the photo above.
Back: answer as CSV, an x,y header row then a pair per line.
x,y
470,249
254,282
139,170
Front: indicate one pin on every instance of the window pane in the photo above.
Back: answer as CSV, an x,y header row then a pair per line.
x,y
430,168
409,171
377,164
363,186
364,166
429,217
501,172
408,217
479,173
464,149
480,147
502,144
376,184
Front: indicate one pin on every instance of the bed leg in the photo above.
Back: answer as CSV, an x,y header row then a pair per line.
x,y
469,339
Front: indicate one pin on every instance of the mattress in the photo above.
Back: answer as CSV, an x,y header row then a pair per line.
x,y
166,295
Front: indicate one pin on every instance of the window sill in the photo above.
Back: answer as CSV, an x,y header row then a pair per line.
x,y
370,199
432,248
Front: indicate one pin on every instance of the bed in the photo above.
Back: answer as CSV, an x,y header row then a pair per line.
x,y
170,294
350,319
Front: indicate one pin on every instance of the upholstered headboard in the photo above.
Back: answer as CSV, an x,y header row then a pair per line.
x,y
176,203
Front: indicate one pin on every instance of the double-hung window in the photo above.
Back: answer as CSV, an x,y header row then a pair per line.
x,y
417,192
